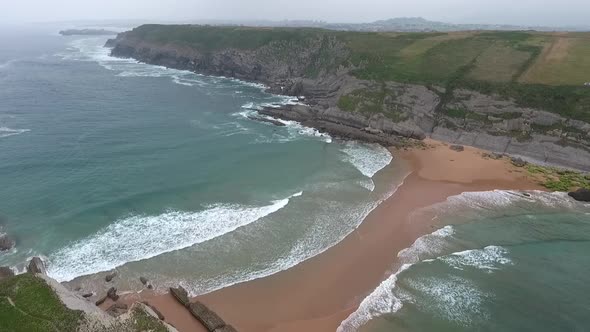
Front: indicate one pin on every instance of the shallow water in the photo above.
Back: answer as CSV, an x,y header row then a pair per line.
x,y
108,163
506,263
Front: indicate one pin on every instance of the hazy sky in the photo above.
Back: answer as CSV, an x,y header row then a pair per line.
x,y
526,12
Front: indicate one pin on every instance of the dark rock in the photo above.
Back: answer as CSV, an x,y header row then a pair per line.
x,y
493,155
181,295
518,162
100,300
143,280
271,121
109,277
36,266
227,328
5,272
160,316
582,195
121,306
117,309
458,148
150,286
87,295
6,243
112,294
210,319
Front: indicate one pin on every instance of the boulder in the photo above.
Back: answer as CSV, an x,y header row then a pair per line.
x,y
112,294
117,309
155,310
493,155
582,195
6,243
181,295
109,277
143,280
36,266
518,162
271,121
6,272
100,300
150,286
206,316
458,148
87,295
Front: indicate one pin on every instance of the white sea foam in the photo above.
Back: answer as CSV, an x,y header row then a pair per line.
x,y
488,259
307,246
294,129
454,299
6,132
379,302
140,237
367,158
367,184
427,246
383,300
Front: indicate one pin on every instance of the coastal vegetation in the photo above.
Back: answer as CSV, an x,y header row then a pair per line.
x,y
28,303
535,69
556,179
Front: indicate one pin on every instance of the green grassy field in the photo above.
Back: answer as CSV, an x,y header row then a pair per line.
x,y
28,304
542,70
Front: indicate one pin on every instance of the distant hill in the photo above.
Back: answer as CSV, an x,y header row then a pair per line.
x,y
400,24
419,24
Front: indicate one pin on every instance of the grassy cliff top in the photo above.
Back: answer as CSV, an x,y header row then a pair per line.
x,y
502,56
538,69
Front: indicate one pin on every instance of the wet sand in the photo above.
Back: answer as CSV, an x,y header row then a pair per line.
x,y
319,293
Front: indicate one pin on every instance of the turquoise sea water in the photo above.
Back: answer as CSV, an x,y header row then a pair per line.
x,y
107,163
507,262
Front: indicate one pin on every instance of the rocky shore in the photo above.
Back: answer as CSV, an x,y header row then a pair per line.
x,y
400,111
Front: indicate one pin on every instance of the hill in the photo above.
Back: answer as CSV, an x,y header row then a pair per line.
x,y
492,89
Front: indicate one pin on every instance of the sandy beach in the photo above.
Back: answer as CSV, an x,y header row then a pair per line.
x,y
319,293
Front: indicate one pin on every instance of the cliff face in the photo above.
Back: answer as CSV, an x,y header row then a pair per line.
x,y
379,111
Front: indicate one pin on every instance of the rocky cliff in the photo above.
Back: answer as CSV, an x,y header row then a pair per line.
x,y
319,67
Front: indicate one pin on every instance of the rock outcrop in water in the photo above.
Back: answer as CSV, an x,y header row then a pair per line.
x,y
36,266
5,272
375,111
582,195
6,243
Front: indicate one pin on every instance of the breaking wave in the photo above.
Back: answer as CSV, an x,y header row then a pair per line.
x,y
140,237
6,132
367,158
459,300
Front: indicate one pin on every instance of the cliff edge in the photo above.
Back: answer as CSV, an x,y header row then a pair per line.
x,y
502,91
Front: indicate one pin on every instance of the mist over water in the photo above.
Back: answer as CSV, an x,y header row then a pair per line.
x,y
109,163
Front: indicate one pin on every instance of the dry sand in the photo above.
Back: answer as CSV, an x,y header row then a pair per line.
x,y
319,293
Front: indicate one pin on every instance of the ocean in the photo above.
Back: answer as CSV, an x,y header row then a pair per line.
x,y
504,262
108,163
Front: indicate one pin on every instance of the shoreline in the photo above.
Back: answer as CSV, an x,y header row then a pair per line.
x,y
319,293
